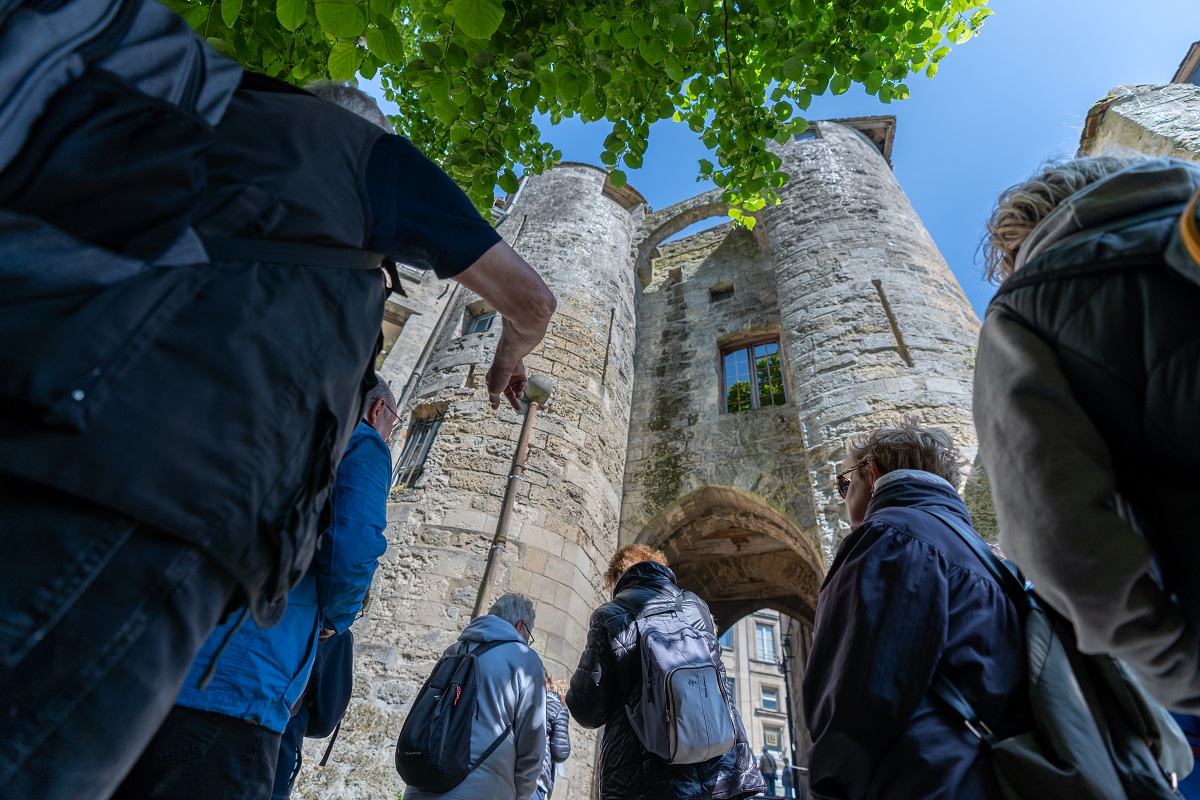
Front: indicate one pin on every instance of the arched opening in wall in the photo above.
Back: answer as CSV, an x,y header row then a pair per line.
x,y
706,224
738,553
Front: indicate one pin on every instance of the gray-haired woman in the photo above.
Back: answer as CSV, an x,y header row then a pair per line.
x,y
1087,386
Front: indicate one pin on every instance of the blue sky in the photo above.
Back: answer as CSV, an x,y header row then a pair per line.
x,y
1000,105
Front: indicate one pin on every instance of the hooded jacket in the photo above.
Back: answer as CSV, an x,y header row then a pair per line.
x,y
512,690
608,677
905,598
1087,386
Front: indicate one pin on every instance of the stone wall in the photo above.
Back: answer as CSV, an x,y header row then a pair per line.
x,y
1156,120
875,325
420,309
564,525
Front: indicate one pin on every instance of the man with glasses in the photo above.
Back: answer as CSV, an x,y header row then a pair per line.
x,y
222,739
511,706
906,599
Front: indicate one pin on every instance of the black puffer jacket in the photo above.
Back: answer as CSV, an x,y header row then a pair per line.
x,y
558,745
608,677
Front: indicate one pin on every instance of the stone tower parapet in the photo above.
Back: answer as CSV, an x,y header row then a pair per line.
x,y
1155,120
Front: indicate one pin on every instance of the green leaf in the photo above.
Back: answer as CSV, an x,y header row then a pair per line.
x,y
682,30
839,83
508,181
478,19
633,160
431,52
617,178
230,10
386,42
794,68
341,19
626,37
651,50
344,59
291,13
446,111
196,16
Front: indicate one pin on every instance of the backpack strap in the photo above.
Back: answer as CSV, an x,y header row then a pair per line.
x,y
1012,586
677,609
492,747
266,251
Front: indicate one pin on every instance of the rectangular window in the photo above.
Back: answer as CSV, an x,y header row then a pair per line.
x,y
772,736
411,464
770,698
482,322
726,639
764,638
753,377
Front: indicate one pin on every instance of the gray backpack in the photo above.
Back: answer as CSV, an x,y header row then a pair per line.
x,y
681,713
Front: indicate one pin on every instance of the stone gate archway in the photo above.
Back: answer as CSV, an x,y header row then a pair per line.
x,y
738,553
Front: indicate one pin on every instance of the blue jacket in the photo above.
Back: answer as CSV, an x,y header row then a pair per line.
x,y
905,597
262,673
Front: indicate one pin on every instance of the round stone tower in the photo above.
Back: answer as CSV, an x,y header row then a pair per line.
x,y
577,232
874,323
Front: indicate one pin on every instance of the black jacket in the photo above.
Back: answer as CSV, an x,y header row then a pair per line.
x,y
558,735
904,598
608,677
1087,387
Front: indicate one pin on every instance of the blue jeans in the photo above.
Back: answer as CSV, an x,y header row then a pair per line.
x,y
102,617
770,779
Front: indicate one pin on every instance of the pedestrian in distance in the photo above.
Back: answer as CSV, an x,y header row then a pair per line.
x,y
221,308
510,718
610,671
558,745
904,600
785,771
222,739
1086,390
766,765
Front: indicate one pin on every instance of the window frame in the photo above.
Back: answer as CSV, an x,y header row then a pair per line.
x,y
726,636
410,464
762,698
758,642
482,316
748,347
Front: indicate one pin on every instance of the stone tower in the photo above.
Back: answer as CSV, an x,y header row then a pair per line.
x,y
705,390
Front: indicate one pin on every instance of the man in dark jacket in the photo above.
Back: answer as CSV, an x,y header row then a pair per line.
x,y
173,417
558,745
904,599
1087,386
609,674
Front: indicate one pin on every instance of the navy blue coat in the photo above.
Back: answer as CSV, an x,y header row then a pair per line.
x,y
904,598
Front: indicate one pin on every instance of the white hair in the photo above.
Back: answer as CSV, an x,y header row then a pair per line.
x,y
351,98
380,390
512,608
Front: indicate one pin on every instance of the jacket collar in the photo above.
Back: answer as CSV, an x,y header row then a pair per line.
x,y
1139,189
647,575
914,487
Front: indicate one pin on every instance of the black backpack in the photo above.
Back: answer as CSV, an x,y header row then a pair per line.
x,y
433,753
1097,734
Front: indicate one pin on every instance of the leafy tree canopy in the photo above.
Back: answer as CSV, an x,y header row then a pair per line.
x,y
468,75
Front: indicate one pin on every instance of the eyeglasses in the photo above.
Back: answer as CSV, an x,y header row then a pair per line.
x,y
525,625
843,483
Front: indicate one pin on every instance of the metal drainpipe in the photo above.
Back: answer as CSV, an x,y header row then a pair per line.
x,y
500,541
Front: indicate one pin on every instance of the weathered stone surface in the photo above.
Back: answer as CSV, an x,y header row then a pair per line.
x,y
1156,120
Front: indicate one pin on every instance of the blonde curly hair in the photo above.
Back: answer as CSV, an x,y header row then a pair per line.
x,y
626,557
1021,207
